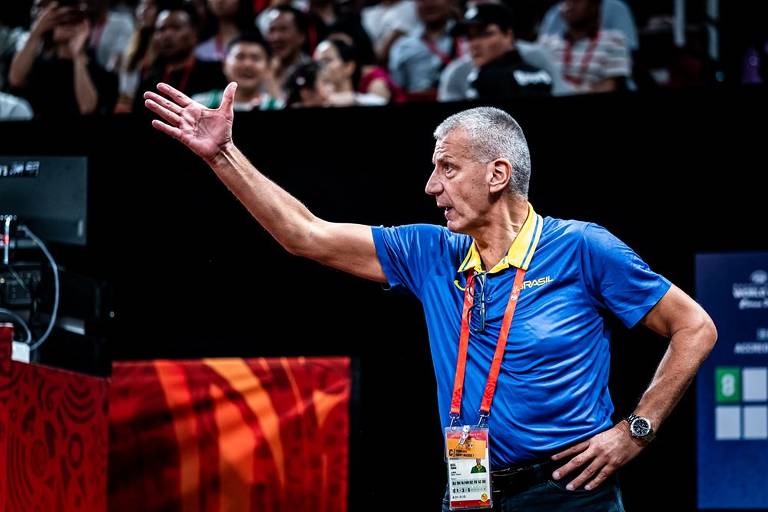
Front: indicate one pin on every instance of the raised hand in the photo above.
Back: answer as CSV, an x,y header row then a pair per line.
x,y
77,43
203,130
46,19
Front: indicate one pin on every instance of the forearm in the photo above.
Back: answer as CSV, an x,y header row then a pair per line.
x,y
687,350
85,92
22,62
282,215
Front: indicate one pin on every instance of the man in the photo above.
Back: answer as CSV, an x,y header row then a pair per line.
x,y
588,58
175,40
614,15
551,282
416,60
287,35
498,70
478,467
247,63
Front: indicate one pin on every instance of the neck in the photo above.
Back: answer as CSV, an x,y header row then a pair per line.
x,y
243,95
176,63
582,30
494,239
227,30
435,29
63,52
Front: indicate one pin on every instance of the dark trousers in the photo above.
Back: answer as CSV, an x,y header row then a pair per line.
x,y
531,488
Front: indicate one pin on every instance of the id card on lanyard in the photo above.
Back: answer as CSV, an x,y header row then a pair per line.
x,y
467,447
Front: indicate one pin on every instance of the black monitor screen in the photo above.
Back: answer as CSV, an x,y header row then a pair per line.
x,y
48,194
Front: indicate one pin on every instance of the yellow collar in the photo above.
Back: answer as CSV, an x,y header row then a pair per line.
x,y
520,252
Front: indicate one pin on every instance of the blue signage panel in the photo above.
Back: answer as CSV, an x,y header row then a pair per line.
x,y
732,386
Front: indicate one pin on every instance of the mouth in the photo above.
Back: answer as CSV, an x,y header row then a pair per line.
x,y
447,210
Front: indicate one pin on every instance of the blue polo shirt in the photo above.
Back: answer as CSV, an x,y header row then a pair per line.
x,y
553,386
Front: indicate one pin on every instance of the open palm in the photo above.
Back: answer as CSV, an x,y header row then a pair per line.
x,y
205,131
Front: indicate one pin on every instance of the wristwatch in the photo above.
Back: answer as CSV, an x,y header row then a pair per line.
x,y
640,428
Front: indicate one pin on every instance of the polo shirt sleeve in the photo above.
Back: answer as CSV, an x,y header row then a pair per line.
x,y
618,62
616,278
408,253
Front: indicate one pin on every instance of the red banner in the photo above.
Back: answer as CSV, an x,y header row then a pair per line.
x,y
230,435
53,437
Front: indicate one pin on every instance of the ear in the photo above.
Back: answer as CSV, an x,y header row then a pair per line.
x,y
500,172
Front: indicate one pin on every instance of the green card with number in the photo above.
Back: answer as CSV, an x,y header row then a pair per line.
x,y
728,384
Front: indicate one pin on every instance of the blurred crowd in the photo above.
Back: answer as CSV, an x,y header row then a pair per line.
x,y
81,57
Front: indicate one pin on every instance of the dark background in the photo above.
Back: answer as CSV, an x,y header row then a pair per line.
x,y
672,174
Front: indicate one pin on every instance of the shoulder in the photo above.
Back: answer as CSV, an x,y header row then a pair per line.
x,y
407,45
428,236
612,37
564,230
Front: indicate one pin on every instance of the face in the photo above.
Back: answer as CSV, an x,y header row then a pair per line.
x,y
283,35
432,11
459,183
580,12
488,43
317,97
246,64
332,68
69,23
174,35
224,8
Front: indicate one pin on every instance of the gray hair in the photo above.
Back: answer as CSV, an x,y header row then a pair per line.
x,y
494,134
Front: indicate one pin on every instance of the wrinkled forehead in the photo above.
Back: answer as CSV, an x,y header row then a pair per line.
x,y
456,144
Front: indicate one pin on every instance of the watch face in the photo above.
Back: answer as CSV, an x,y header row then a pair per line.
x,y
640,427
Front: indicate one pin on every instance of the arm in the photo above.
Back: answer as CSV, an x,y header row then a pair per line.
x,y
692,335
22,62
85,92
208,132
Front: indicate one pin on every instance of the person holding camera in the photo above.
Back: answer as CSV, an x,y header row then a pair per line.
x,y
54,70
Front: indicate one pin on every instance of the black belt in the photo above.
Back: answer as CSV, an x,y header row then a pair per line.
x,y
515,479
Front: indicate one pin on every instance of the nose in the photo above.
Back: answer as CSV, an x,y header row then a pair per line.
x,y
434,187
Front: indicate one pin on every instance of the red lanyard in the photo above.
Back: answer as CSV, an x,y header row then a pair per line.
x,y
585,60
461,363
444,57
182,86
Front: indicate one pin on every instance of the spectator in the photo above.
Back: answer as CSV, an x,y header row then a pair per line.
x,y
416,61
349,27
305,88
587,58
387,21
614,15
247,63
286,35
110,35
55,71
139,56
317,18
175,38
353,83
498,68
232,18
13,108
